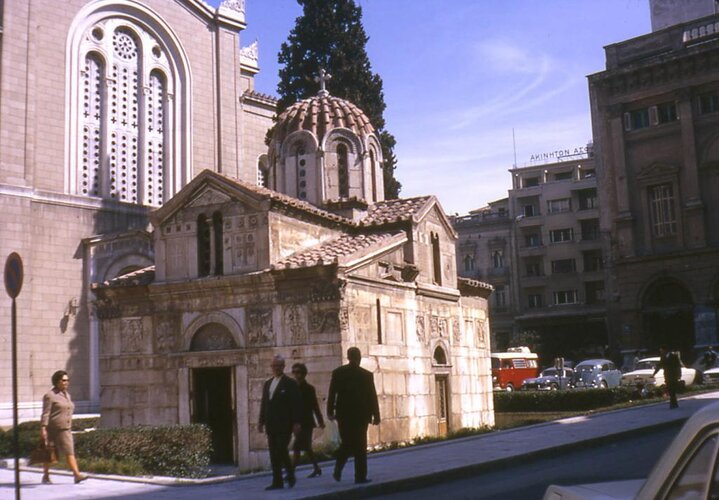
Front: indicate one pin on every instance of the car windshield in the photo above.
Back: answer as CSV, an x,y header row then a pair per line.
x,y
584,368
646,365
549,372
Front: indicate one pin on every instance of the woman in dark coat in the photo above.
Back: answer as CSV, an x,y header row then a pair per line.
x,y
310,411
56,424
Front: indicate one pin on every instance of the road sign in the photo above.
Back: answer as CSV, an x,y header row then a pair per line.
x,y
13,275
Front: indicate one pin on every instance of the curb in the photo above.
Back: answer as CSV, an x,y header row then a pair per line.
x,y
423,481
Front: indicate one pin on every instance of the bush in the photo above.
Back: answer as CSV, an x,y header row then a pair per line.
x,y
574,400
181,450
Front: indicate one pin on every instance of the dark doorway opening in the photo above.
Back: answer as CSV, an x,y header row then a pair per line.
x,y
668,318
212,405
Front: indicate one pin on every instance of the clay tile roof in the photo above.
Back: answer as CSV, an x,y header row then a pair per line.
x,y
388,211
141,277
333,251
319,114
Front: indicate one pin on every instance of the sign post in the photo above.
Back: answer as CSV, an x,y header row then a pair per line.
x,y
13,285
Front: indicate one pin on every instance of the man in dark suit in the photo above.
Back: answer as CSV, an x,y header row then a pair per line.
x,y
280,416
672,366
352,400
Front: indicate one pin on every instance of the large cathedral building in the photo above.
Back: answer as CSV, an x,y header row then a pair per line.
x,y
170,254
107,109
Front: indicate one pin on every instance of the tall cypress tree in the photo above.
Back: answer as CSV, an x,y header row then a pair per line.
x,y
329,34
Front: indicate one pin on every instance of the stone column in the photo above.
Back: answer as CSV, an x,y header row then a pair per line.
x,y
692,206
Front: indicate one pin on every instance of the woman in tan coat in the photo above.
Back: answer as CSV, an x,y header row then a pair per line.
x,y
56,424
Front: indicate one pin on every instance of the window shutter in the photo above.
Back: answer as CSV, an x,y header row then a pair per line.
x,y
627,122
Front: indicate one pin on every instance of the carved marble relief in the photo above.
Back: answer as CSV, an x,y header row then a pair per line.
x,y
434,326
295,323
325,291
259,326
362,323
324,319
481,335
244,251
212,337
131,335
457,334
344,318
443,327
421,329
165,337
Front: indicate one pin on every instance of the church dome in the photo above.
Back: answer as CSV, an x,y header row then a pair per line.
x,y
320,114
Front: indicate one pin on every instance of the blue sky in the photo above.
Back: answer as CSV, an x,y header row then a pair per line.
x,y
459,75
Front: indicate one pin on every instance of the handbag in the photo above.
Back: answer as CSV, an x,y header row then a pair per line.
x,y
43,454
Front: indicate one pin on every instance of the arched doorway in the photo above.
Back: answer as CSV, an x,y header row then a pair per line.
x,y
441,386
212,393
668,317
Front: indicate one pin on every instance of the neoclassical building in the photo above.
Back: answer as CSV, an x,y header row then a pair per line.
x,y
108,108
306,267
655,116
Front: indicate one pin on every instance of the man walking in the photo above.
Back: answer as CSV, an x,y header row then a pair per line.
x,y
672,366
280,416
352,400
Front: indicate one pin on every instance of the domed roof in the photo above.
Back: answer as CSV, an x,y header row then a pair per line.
x,y
318,115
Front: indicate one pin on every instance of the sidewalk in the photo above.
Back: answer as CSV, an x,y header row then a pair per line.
x,y
390,471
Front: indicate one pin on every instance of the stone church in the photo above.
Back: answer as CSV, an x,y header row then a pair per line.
x,y
313,265
169,254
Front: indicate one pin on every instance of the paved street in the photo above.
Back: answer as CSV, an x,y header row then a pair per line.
x,y
395,470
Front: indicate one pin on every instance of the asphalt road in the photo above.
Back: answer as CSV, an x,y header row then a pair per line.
x,y
626,459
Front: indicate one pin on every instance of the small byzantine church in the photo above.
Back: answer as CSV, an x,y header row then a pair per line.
x,y
305,265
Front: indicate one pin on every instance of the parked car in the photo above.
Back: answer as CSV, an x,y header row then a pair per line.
x,y
642,374
596,373
685,470
711,376
509,369
550,379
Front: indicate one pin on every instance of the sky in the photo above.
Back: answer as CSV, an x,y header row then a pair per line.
x,y
461,75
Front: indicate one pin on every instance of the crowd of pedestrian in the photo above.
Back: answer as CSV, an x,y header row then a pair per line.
x,y
289,408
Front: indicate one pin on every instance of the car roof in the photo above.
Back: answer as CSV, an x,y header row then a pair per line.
x,y
515,355
597,361
653,358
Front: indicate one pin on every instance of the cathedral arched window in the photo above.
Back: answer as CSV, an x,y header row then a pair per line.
x,y
373,169
300,170
128,119
263,174
343,170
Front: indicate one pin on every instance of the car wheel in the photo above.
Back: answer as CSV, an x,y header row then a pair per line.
x,y
553,387
510,388
603,385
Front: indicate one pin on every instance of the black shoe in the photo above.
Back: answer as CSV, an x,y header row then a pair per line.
x,y
363,481
316,472
337,474
291,481
274,487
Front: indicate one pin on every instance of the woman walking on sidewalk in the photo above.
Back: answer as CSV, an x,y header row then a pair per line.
x,y
56,424
310,412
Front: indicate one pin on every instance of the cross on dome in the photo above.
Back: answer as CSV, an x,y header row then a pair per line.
x,y
322,79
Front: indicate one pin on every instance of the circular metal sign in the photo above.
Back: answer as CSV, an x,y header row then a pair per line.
x,y
13,275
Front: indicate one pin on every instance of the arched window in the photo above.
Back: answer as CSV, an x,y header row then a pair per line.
x,y
343,171
468,263
301,171
498,259
373,168
219,247
436,259
204,251
263,173
129,96
440,357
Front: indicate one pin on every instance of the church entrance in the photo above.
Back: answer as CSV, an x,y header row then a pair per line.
x,y
668,318
213,405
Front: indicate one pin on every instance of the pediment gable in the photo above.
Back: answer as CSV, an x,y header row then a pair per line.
x,y
657,170
208,196
434,211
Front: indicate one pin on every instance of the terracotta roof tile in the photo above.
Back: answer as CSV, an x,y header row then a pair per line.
x,y
333,251
388,211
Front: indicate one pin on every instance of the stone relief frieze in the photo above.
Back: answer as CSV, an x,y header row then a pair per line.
x,y
442,327
259,326
481,334
361,322
209,197
295,323
456,333
324,320
165,340
244,250
344,319
434,326
131,335
421,329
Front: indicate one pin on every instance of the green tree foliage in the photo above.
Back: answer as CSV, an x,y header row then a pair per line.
x,y
329,34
